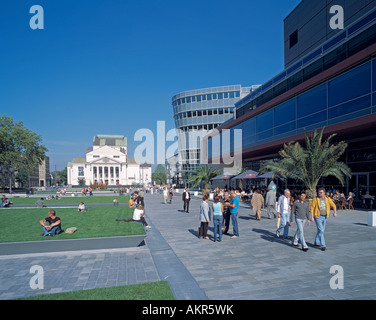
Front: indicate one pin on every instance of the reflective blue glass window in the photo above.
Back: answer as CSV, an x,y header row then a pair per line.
x,y
264,121
220,95
203,97
210,148
350,85
349,107
249,128
198,98
209,96
285,112
232,95
214,96
315,118
285,128
374,74
264,135
194,99
312,101
237,94
225,95
188,99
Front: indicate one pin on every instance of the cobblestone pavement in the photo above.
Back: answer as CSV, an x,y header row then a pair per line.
x,y
257,265
71,271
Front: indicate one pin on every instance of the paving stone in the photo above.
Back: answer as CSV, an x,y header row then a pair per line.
x,y
256,266
260,260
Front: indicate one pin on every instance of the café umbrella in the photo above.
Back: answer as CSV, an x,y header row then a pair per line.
x,y
224,176
250,174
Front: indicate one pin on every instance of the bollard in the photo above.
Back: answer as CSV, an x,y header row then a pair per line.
x,y
372,218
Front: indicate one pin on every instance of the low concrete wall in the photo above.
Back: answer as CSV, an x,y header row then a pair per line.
x,y
52,245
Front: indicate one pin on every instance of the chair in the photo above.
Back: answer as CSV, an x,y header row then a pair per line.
x,y
350,205
342,204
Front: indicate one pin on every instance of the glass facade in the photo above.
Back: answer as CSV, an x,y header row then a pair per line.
x,y
197,112
323,59
347,96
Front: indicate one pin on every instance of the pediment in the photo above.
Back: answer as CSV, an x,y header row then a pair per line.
x,y
105,160
106,151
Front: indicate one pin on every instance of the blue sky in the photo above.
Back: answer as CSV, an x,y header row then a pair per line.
x,y
112,67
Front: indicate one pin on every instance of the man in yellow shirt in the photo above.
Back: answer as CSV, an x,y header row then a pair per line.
x,y
320,211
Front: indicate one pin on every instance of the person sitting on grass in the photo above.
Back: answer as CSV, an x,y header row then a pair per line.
x,y
40,203
133,201
54,226
5,203
138,216
81,207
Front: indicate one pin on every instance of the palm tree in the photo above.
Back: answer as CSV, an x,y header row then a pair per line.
x,y
318,159
203,175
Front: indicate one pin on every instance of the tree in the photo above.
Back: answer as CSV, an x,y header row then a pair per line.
x,y
159,174
318,159
20,148
203,175
82,183
60,177
22,177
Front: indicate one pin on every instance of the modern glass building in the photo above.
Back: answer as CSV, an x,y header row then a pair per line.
x,y
198,112
332,85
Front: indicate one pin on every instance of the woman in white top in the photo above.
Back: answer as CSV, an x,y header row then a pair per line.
x,y
138,216
81,207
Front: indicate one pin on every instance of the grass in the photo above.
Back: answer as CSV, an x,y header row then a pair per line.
x,y
23,224
147,291
71,200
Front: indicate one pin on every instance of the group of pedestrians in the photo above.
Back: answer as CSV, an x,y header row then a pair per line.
x,y
301,213
222,211
287,211
167,194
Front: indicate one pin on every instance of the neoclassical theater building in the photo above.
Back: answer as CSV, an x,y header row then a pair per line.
x,y
107,162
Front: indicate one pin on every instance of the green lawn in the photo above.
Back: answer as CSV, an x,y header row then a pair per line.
x,y
146,291
71,200
23,224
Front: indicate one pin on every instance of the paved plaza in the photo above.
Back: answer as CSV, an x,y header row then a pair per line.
x,y
257,265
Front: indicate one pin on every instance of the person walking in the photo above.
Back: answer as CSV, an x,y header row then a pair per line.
x,y
165,195
186,198
234,209
320,212
217,209
226,213
257,203
270,201
170,194
284,210
204,217
300,214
